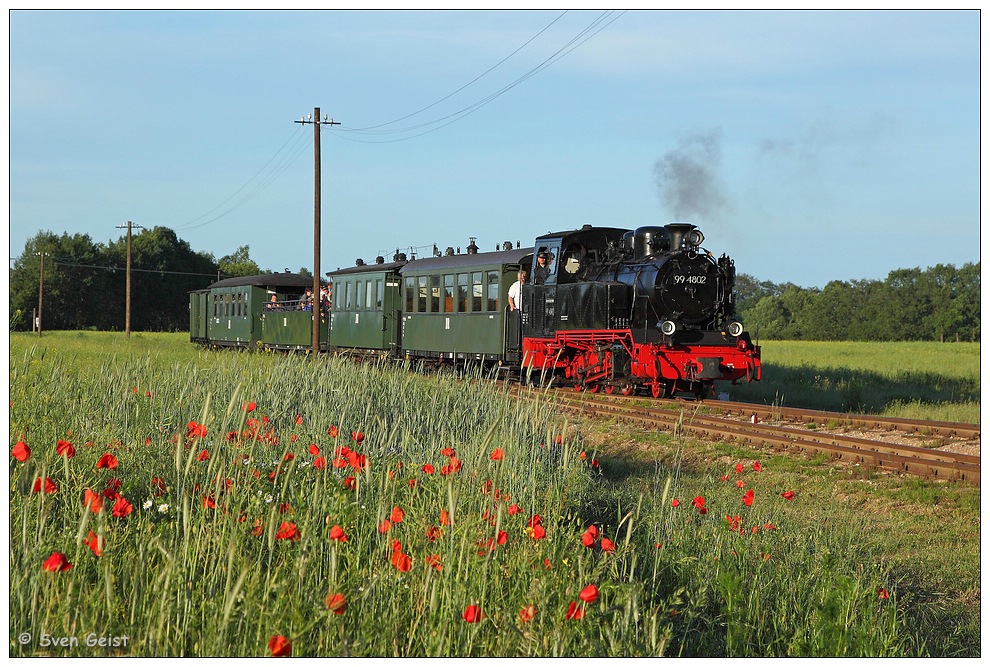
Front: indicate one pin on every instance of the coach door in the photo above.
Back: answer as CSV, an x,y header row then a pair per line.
x,y
392,313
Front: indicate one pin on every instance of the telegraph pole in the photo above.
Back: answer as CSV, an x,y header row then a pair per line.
x,y
127,306
41,285
315,121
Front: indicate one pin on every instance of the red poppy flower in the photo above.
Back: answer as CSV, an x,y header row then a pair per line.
x,y
357,436
447,451
574,611
607,545
498,454
883,594
332,431
314,450
93,501
288,531
194,430
384,527
444,518
57,562
433,533
95,543
748,498
546,563
788,495
350,483
433,560
279,646
65,448
249,407
45,485
527,613
337,533
320,463
122,508
739,468
534,520
513,509
336,603
472,613
401,561
21,452
739,484
537,532
209,502
502,537
587,539
702,510
203,456
299,420
589,594
699,501
724,478
757,467
428,469
675,503
107,461
397,514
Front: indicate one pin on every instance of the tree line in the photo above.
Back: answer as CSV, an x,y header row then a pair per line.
x,y
85,282
84,288
940,303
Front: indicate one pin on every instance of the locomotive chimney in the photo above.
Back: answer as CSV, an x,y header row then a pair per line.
x,y
677,231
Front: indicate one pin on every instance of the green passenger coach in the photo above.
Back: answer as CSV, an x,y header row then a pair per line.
x,y
230,312
365,307
455,307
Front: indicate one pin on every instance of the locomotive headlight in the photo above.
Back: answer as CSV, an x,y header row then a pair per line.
x,y
667,327
735,328
694,237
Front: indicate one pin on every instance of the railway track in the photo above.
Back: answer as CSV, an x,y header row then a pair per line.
x,y
696,419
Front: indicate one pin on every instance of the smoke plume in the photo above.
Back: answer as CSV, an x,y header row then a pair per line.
x,y
687,178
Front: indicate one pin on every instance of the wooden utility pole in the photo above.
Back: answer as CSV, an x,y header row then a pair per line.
x,y
127,305
41,286
314,119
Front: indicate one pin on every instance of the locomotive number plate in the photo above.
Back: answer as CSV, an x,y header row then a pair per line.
x,y
690,280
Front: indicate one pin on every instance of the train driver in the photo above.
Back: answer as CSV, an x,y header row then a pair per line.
x,y
515,292
542,269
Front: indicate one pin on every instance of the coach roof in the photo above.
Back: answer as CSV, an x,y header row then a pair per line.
x,y
467,261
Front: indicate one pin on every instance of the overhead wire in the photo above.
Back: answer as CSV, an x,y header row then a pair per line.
x,y
583,36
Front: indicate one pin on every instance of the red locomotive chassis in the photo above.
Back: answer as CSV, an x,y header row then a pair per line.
x,y
612,360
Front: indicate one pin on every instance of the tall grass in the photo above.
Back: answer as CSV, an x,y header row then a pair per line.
x,y
237,547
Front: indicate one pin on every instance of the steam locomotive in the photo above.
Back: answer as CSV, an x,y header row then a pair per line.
x,y
612,309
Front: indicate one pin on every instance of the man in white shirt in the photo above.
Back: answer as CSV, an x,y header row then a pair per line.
x,y
515,292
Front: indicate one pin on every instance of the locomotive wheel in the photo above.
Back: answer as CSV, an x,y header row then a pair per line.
x,y
593,388
577,387
627,389
656,390
610,389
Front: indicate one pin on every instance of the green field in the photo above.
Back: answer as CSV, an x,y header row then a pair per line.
x,y
938,381
263,504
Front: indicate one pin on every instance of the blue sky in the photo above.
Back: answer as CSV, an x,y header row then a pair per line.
x,y
809,146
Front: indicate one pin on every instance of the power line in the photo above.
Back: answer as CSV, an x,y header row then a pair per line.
x,y
487,71
60,262
583,36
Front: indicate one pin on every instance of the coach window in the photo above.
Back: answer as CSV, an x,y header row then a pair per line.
x,y
410,291
448,293
421,300
462,292
369,301
492,305
347,295
434,294
359,295
378,294
476,292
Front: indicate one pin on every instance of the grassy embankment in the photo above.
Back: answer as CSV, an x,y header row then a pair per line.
x,y
238,546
